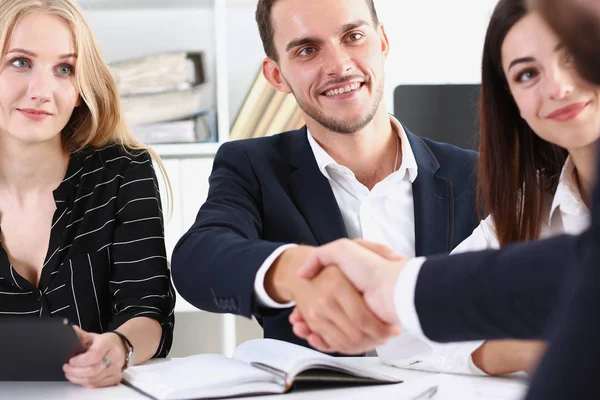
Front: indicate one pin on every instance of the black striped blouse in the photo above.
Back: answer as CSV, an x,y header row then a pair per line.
x,y
106,262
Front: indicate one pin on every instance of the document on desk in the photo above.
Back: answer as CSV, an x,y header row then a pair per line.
x,y
260,366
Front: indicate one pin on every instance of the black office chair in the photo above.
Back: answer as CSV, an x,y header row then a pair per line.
x,y
444,113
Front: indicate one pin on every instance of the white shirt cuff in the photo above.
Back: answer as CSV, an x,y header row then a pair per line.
x,y
263,299
404,296
410,352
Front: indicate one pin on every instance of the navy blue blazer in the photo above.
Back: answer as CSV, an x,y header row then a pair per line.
x,y
269,191
548,289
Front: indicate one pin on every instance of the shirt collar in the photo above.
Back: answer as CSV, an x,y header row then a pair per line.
x,y
567,196
66,190
408,165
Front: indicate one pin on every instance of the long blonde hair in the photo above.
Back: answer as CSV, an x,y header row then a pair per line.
x,y
99,120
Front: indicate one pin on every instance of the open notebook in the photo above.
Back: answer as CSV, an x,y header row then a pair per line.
x,y
258,366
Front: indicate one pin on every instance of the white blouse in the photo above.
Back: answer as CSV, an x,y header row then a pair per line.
x,y
567,213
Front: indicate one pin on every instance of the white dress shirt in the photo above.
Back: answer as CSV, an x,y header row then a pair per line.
x,y
384,214
567,213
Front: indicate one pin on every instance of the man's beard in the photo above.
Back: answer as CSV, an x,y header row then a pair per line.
x,y
343,125
580,30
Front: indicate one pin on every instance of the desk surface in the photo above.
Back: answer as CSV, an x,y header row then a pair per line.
x,y
415,382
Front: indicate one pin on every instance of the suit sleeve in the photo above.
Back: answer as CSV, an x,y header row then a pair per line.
x,y
569,370
215,263
508,293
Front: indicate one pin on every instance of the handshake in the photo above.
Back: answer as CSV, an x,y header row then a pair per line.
x,y
344,294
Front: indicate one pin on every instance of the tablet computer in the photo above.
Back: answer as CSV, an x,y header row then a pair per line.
x,y
35,349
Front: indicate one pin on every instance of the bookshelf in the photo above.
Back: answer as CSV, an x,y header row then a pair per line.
x,y
211,24
186,150
226,32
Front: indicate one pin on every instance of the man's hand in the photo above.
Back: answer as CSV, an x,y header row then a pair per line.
x,y
372,268
330,304
283,274
336,315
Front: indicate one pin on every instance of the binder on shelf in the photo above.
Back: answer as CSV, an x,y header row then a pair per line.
x,y
282,117
268,114
198,129
167,106
296,121
252,109
161,72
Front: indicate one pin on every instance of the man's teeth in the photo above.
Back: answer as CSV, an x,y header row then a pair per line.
x,y
345,89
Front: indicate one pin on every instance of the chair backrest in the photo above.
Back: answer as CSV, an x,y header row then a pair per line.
x,y
444,113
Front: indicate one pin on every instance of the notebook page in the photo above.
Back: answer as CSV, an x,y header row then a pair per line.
x,y
202,375
278,354
293,359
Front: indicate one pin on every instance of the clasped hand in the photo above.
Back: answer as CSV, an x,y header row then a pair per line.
x,y
344,303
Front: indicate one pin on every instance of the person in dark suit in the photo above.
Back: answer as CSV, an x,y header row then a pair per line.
x,y
352,171
547,289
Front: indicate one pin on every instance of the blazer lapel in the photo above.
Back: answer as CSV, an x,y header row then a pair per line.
x,y
312,192
433,203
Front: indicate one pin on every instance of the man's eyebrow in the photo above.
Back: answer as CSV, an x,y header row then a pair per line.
x,y
353,25
313,40
301,42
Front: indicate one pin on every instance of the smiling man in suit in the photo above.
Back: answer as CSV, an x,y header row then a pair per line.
x,y
353,171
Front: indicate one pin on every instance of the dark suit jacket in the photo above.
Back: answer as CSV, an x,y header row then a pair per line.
x,y
269,191
547,289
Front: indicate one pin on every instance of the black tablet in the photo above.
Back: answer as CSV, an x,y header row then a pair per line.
x,y
35,349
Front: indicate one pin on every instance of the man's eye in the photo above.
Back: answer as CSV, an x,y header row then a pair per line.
x,y
307,51
355,36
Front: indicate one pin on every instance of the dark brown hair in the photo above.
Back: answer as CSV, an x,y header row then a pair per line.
x,y
516,167
265,24
579,29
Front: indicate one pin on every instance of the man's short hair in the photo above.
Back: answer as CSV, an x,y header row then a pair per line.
x,y
265,24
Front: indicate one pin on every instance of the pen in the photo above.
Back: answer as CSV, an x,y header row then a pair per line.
x,y
429,393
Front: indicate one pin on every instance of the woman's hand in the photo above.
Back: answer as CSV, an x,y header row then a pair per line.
x,y
101,364
497,357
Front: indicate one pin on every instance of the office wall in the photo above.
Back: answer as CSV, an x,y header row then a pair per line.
x,y
433,41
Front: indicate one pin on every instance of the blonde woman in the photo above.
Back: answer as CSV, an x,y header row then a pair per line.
x,y
81,224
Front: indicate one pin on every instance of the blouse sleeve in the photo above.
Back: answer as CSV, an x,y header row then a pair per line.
x,y
140,279
483,238
456,357
410,352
